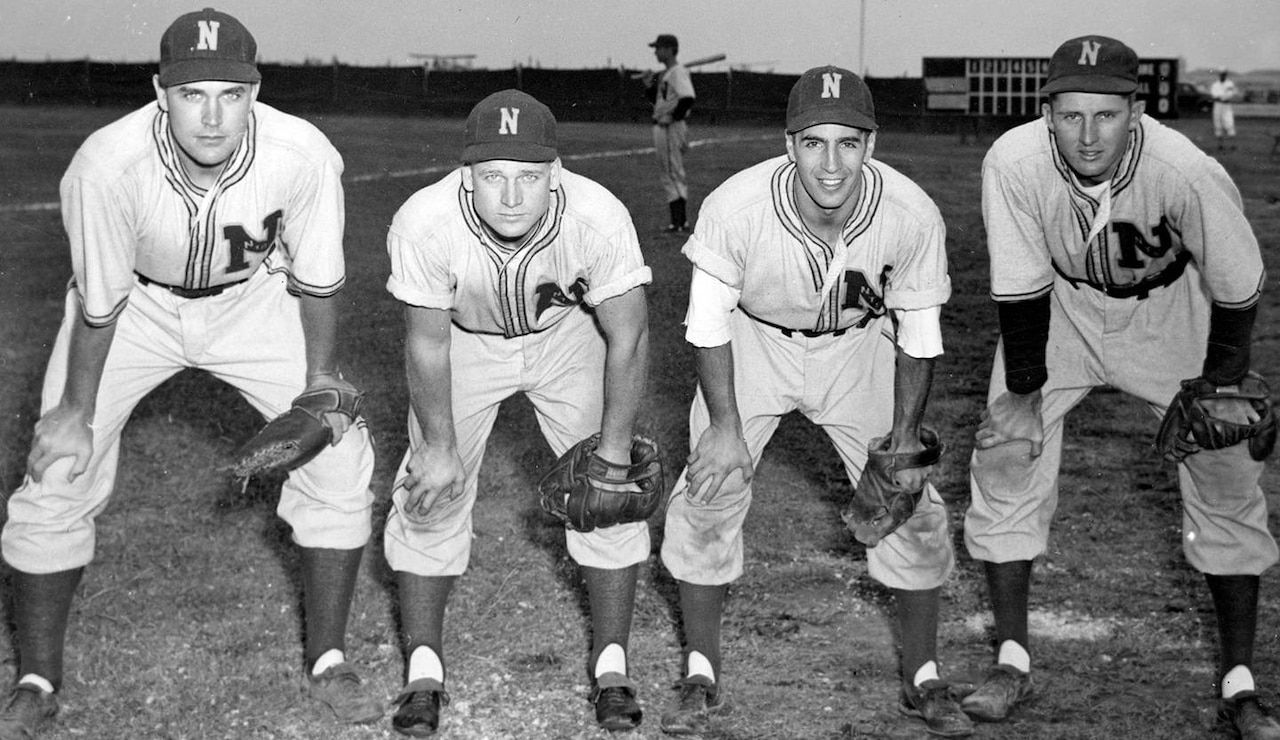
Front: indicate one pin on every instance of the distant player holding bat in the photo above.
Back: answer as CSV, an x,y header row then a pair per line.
x,y
672,94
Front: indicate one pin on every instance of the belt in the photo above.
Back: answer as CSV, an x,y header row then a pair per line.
x,y
787,332
1140,290
182,292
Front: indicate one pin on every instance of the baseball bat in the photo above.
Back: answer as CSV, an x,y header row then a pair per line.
x,y
700,61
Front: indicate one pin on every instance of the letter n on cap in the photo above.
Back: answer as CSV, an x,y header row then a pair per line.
x,y
1089,53
831,84
509,122
208,35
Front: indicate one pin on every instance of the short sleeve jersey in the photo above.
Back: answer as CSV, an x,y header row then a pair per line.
x,y
584,249
128,205
673,84
1169,202
893,255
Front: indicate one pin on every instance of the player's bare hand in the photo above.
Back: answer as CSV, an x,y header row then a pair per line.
x,y
1012,417
62,432
721,457
1234,410
432,472
338,422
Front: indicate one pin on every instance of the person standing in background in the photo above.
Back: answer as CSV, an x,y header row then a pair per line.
x,y
672,94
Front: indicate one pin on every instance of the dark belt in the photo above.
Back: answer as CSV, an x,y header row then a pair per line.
x,y
787,332
1140,290
182,292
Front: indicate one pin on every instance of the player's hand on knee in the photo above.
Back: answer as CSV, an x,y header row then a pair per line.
x,y
1012,417
719,462
433,472
60,433
1234,410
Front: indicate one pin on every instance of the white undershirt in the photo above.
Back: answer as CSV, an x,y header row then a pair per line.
x,y
711,301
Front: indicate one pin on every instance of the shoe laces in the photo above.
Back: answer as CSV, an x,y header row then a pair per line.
x,y
693,697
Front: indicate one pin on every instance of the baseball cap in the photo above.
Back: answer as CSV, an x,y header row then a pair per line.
x,y
207,45
830,95
509,125
666,39
1092,64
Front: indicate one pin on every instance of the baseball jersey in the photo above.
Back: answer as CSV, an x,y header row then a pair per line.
x,y
750,237
1167,203
674,83
1223,91
584,250
129,206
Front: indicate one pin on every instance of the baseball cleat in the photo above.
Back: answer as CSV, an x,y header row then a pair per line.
x,y
419,712
1245,717
1004,688
700,699
615,701
933,702
29,710
341,689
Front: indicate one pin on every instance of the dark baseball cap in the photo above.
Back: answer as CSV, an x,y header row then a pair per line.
x,y
207,45
830,95
667,40
509,125
1092,64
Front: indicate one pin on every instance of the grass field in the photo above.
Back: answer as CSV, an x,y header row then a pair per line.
x,y
187,624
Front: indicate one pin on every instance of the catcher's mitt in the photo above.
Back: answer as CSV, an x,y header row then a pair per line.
x,y
1188,428
293,438
586,491
879,505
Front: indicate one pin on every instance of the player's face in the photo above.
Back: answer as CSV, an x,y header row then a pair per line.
x,y
511,197
829,160
208,119
1092,131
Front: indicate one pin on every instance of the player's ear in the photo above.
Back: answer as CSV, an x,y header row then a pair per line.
x,y
1046,110
254,89
791,147
553,174
871,144
160,96
468,178
1136,109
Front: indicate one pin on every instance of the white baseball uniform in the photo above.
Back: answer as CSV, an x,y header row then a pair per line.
x,y
1223,92
520,324
670,137
812,333
1131,274
272,225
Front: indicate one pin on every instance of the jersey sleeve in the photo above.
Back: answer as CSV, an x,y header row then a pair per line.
x,y
1215,230
615,263
682,82
314,228
710,303
918,278
1021,268
711,249
98,219
420,274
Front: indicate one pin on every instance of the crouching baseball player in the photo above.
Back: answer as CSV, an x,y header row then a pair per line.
x,y
1114,240
206,231
517,276
818,282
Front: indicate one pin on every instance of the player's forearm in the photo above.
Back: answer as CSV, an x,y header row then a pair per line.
x,y
626,370
320,331
430,376
86,358
912,379
715,377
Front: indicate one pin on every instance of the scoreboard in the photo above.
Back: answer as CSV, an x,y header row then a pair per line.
x,y
1010,86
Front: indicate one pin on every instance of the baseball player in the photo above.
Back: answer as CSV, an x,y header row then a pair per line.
x,y
1113,240
671,91
1224,92
517,276
205,231
818,282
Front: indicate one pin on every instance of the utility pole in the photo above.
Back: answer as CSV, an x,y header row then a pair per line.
x,y
862,39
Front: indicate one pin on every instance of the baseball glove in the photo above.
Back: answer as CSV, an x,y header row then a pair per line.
x,y
293,438
1188,428
879,505
586,491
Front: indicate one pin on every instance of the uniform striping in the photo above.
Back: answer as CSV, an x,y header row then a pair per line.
x,y
434,169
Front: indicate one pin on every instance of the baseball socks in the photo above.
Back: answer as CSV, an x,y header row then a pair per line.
x,y
698,665
424,663
1013,654
613,659
679,218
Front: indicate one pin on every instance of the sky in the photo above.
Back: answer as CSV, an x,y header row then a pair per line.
x,y
784,36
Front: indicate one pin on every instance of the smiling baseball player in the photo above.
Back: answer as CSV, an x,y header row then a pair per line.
x,y
206,232
517,276
799,263
1120,256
